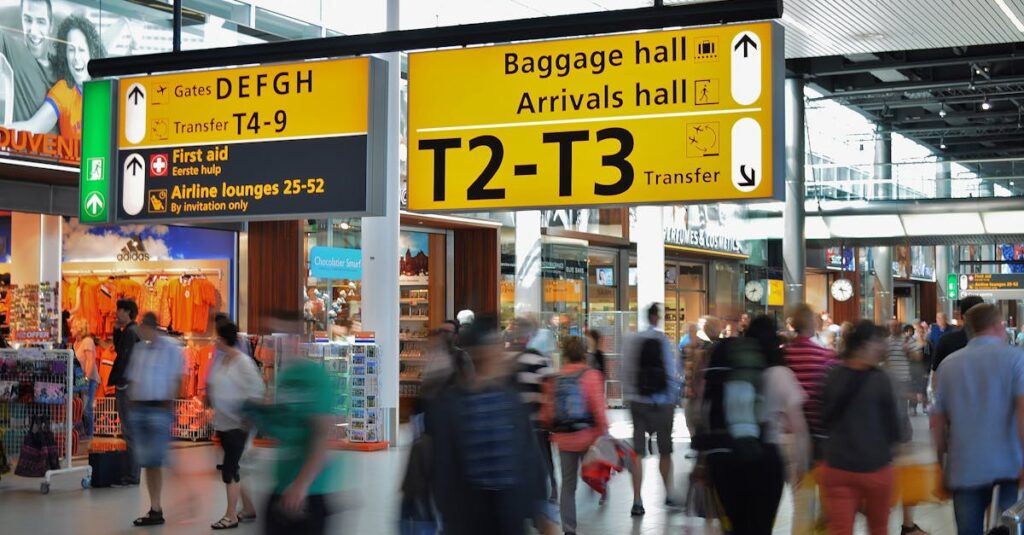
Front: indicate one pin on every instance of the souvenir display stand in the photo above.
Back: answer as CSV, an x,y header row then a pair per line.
x,y
37,385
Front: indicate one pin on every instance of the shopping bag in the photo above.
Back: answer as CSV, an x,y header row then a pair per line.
x,y
34,459
918,483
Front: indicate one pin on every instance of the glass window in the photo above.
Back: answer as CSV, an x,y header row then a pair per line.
x,y
606,222
431,13
333,306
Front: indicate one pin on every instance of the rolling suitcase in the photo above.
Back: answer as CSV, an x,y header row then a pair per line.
x,y
1011,522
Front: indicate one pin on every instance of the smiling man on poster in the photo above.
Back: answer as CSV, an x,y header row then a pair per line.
x,y
28,55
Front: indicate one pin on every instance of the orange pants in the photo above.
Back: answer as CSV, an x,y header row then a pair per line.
x,y
845,493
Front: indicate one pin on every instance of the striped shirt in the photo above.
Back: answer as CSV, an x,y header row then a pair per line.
x,y
897,362
810,363
488,419
534,370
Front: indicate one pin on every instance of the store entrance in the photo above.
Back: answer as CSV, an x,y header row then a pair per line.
x,y
685,296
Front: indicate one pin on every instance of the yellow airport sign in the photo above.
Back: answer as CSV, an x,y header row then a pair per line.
x,y
649,118
286,101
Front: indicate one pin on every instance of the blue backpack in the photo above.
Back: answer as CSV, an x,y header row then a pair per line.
x,y
571,411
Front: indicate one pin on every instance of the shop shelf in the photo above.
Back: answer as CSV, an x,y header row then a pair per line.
x,y
414,318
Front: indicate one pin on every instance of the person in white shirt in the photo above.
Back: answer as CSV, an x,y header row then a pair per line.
x,y
234,380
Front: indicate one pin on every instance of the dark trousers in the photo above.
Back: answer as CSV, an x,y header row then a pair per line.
x,y
547,453
311,521
123,414
750,491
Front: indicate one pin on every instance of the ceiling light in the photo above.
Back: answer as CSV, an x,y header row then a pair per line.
x,y
950,224
942,111
1011,183
344,225
986,105
1010,15
942,143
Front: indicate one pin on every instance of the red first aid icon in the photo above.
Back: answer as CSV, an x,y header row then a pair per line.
x,y
158,164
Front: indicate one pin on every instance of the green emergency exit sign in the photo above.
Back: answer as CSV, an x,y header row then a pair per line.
x,y
95,178
952,287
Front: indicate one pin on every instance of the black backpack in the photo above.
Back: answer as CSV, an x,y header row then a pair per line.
x,y
733,394
651,376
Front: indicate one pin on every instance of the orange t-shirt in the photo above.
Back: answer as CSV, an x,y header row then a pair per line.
x,y
204,296
67,103
89,304
179,296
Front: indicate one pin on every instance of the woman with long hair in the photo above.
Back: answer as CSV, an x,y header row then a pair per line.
x,y
862,419
85,352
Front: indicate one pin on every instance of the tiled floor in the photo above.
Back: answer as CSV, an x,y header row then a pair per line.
x,y
194,498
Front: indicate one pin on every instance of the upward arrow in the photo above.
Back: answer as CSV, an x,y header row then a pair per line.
x,y
135,163
746,42
135,94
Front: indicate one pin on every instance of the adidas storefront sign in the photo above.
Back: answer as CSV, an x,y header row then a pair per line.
x,y
133,251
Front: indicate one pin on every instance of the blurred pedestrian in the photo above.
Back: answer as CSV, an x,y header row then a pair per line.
x,y
234,381
863,423
445,360
751,398
918,375
596,353
810,363
695,357
652,388
487,474
899,363
952,339
574,409
125,337
978,419
305,475
153,378
533,369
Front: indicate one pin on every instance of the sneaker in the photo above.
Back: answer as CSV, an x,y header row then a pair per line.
x,y
673,505
913,530
637,510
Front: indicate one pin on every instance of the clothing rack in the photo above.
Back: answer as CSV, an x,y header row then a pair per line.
x,y
140,272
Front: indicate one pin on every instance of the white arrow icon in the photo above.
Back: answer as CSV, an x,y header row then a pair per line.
x,y
94,204
133,184
135,113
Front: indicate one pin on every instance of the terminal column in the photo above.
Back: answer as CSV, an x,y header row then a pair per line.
x,y
883,284
650,260
943,180
36,249
883,163
794,257
529,286
942,270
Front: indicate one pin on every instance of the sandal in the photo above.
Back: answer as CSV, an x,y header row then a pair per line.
x,y
152,518
246,517
225,523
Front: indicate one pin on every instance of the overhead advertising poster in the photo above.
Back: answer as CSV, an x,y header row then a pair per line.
x,y
302,139
923,262
1013,256
45,47
644,118
840,258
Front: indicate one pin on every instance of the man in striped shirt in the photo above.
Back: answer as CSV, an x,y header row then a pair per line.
x,y
533,369
810,362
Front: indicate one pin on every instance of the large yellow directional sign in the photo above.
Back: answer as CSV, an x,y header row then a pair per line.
x,y
267,142
661,117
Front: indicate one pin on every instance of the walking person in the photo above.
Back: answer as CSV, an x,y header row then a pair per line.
x,y
85,352
863,423
978,419
652,387
899,363
751,399
153,378
951,339
597,360
533,369
125,337
574,409
487,474
234,380
810,362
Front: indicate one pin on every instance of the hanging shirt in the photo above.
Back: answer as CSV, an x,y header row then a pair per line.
x,y
204,297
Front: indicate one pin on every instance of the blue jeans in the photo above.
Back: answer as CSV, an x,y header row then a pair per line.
x,y
969,505
88,411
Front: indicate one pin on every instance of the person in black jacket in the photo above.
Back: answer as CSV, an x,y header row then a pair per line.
x,y
125,337
597,356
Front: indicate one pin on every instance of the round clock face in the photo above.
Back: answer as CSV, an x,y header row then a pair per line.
x,y
754,291
842,290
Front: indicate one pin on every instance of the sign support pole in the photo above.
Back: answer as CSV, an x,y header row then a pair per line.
x,y
794,259
650,261
942,272
380,253
528,263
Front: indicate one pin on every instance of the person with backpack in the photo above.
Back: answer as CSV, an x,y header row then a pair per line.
x,y
652,387
750,399
533,368
574,410
863,422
